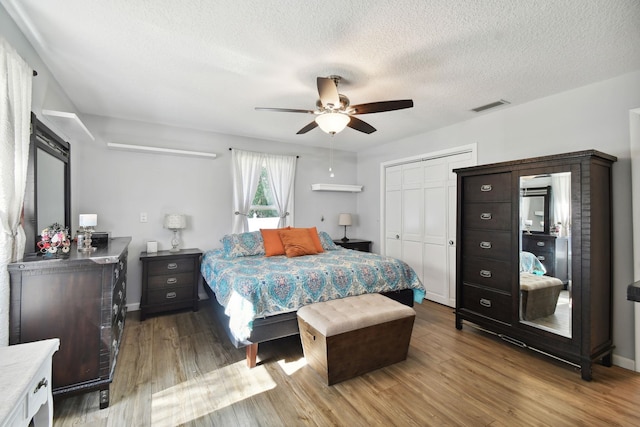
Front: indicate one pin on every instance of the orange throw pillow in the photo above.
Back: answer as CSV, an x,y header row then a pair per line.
x,y
313,232
297,242
272,242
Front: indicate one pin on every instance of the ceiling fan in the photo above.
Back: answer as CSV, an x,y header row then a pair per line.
x,y
334,112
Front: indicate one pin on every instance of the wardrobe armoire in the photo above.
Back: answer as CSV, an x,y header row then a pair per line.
x,y
495,287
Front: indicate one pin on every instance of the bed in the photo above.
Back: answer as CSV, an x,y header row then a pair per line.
x,y
256,296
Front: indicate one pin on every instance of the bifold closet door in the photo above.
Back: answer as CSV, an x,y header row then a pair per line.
x,y
420,221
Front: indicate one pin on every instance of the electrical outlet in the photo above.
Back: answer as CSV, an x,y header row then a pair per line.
x,y
143,217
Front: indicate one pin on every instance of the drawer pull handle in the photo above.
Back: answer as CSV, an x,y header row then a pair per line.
x,y
485,216
486,187
540,258
43,383
172,281
172,266
485,302
171,295
485,245
485,273
540,244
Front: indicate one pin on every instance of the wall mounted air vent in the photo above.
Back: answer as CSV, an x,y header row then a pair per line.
x,y
489,106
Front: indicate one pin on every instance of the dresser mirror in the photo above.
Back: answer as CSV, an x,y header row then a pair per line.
x,y
47,195
545,252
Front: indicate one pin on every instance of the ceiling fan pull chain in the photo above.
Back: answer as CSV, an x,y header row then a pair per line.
x,y
331,175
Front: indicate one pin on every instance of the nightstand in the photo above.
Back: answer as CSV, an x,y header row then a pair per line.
x,y
169,281
355,244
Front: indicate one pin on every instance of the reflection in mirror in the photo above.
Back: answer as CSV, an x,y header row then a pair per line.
x,y
50,185
545,252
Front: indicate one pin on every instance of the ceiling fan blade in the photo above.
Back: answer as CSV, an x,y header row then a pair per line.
x,y
307,128
379,107
357,124
285,110
328,92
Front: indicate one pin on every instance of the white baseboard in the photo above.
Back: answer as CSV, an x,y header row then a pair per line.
x,y
136,306
623,362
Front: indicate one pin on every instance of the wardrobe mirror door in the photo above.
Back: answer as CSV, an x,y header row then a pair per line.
x,y
545,252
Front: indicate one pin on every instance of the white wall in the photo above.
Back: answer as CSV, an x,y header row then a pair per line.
x,y
592,117
119,185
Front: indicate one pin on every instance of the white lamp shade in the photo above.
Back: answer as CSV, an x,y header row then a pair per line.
x,y
88,220
344,219
175,221
332,122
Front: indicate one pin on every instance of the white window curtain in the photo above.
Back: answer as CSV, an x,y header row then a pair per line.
x,y
15,119
246,169
282,171
561,193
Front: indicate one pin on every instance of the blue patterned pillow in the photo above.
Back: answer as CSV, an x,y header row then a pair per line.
x,y
243,244
327,241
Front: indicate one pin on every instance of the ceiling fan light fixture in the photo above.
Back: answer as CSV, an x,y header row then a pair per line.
x,y
332,123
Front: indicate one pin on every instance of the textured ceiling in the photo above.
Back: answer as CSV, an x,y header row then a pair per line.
x,y
206,64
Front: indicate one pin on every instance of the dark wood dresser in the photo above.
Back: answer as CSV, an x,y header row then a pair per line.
x,y
80,299
169,281
355,244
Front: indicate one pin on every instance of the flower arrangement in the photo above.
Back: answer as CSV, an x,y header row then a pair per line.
x,y
54,239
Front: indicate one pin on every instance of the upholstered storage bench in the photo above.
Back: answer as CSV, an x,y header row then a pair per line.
x,y
539,295
347,337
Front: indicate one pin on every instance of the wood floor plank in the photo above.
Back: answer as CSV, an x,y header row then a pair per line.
x,y
180,369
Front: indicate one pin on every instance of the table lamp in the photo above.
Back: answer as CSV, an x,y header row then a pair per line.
x,y
87,222
344,219
175,222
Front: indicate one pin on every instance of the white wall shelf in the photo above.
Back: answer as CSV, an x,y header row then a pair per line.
x,y
337,187
69,124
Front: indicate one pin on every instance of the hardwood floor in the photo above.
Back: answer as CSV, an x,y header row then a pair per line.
x,y
180,369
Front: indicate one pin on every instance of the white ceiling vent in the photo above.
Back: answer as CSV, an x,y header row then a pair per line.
x,y
489,106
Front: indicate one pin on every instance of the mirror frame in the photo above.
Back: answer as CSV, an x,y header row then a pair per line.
x,y
44,139
545,193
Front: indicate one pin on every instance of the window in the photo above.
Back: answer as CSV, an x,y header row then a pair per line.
x,y
263,190
263,212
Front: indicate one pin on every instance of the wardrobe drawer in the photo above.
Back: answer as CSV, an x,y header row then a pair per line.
x,y
488,188
180,265
487,272
490,216
170,280
538,244
495,245
487,303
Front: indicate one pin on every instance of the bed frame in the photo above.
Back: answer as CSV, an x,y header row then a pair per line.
x,y
277,326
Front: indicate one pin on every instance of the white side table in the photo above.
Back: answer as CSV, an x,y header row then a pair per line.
x,y
25,383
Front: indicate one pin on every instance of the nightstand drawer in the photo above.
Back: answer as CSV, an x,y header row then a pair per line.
x,y
170,280
170,295
180,265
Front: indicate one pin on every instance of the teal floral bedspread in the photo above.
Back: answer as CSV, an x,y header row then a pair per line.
x,y
257,286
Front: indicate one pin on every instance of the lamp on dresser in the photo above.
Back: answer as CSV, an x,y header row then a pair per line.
x,y
345,220
175,222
